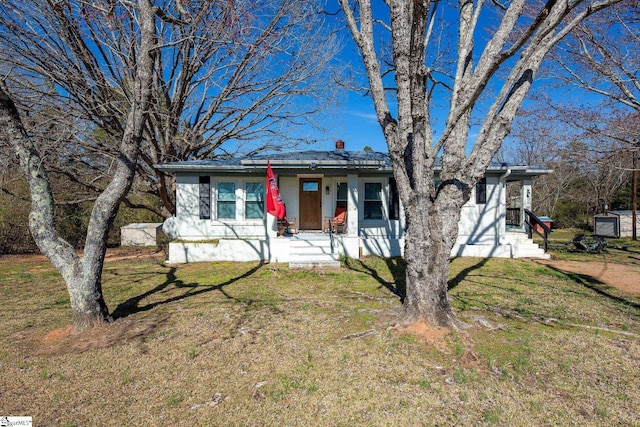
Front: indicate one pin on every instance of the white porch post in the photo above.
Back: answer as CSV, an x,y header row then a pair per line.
x,y
502,210
352,205
526,201
526,193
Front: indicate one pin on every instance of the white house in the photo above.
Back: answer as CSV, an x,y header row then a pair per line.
x,y
220,212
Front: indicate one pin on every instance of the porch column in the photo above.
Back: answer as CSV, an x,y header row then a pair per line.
x,y
352,206
502,211
526,193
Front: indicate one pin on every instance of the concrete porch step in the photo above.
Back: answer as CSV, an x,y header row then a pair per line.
x,y
312,251
523,247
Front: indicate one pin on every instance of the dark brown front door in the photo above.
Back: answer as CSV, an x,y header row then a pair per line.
x,y
310,203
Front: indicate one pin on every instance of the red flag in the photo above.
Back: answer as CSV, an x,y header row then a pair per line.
x,y
275,205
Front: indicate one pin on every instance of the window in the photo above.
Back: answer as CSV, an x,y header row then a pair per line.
x,y
394,200
372,200
226,206
481,192
205,197
341,196
254,200
310,186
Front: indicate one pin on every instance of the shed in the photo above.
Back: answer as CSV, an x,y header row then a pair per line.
x,y
615,224
140,234
546,221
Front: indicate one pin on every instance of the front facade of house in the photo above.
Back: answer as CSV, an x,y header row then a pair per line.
x,y
220,212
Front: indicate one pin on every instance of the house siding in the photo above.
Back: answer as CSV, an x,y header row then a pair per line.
x,y
480,224
482,230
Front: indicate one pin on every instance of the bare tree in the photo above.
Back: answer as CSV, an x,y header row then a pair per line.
x,y
243,75
83,275
227,76
601,57
589,167
522,34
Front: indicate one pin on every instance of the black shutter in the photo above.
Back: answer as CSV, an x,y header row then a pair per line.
x,y
205,197
481,192
394,200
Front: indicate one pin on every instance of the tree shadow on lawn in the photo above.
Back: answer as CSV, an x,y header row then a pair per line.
x,y
465,272
132,305
398,268
595,285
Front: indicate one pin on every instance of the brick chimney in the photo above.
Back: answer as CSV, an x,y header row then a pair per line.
x,y
339,144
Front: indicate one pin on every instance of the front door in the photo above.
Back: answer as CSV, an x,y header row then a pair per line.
x,y
310,203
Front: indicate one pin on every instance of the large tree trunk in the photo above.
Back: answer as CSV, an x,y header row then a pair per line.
x,y
429,237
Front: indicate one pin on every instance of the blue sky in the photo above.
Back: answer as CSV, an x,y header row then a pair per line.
x,y
354,120
356,124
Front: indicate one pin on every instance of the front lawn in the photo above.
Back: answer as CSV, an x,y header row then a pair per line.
x,y
237,344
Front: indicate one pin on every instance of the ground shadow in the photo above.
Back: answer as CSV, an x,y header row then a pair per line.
x,y
397,267
595,285
132,305
465,272
629,252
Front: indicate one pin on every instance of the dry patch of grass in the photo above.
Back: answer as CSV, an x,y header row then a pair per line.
x,y
255,344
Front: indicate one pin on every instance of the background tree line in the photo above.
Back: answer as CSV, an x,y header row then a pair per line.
x,y
584,122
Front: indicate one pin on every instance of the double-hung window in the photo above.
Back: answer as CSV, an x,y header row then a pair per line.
x,y
341,196
226,200
254,200
372,200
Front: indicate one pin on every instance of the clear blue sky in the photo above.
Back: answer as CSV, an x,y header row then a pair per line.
x,y
356,124
354,120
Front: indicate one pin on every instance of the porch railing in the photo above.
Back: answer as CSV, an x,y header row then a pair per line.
x,y
331,238
534,223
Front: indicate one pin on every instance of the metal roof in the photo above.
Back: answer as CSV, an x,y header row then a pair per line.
x,y
372,161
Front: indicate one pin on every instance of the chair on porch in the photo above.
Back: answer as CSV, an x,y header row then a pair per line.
x,y
289,226
337,223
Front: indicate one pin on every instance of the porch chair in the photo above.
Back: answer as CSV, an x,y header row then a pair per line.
x,y
337,224
289,226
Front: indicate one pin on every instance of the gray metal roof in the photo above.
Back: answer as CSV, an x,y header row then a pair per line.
x,y
371,161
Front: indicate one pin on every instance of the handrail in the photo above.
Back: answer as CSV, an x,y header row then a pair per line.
x,y
331,237
534,220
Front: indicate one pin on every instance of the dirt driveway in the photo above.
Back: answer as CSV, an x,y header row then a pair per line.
x,y
623,277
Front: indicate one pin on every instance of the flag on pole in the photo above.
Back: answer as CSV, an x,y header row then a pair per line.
x,y
275,205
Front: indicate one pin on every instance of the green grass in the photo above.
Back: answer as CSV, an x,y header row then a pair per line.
x,y
621,251
253,344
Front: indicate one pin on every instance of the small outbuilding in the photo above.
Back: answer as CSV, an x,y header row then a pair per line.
x,y
615,224
546,221
140,234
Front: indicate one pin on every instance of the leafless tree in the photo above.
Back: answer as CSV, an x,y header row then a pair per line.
x,y
228,76
500,47
588,168
601,57
83,275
